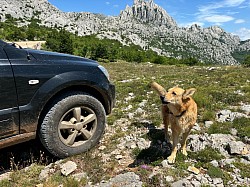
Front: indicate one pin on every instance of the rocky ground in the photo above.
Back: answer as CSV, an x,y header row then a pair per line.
x,y
228,145
133,152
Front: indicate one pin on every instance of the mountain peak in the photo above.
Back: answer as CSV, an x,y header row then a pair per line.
x,y
137,1
148,12
141,1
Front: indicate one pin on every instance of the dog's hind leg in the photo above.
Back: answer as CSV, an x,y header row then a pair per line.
x,y
184,142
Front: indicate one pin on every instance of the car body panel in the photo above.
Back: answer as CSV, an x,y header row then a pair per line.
x,y
9,114
34,78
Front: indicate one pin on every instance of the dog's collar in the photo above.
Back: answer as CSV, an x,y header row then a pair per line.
x,y
181,114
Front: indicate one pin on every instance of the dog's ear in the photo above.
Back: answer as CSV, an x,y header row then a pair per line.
x,y
188,93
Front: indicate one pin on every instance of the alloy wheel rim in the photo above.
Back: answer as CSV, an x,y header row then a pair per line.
x,y
77,126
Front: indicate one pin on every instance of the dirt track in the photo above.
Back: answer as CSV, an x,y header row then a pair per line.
x,y
31,44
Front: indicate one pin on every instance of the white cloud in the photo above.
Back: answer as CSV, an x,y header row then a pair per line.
x,y
239,21
221,4
107,3
116,6
232,3
243,33
213,12
232,12
218,18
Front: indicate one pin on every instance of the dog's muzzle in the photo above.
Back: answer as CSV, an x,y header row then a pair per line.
x,y
163,101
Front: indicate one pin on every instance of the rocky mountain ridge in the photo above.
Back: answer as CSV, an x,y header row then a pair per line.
x,y
144,23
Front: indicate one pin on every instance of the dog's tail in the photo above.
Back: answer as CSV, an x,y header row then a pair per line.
x,y
161,91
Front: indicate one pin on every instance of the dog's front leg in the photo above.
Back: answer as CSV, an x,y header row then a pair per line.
x,y
175,135
165,117
184,142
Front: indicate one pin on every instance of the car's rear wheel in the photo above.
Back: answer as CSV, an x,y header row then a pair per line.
x,y
74,124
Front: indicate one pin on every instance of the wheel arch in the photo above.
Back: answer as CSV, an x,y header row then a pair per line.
x,y
75,88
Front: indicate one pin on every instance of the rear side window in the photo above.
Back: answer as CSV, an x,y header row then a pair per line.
x,y
15,53
2,54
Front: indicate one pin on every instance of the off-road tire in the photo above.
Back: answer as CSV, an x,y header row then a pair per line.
x,y
72,110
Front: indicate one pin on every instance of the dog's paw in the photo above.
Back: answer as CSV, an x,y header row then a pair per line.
x,y
184,152
171,159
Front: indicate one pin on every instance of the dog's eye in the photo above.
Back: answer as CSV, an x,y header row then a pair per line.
x,y
174,93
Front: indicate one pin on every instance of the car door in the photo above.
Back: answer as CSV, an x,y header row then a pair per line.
x,y
28,79
9,112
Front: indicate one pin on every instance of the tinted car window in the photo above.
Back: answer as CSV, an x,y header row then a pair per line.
x,y
15,53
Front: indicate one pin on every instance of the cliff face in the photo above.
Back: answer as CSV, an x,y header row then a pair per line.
x,y
148,12
144,23
50,16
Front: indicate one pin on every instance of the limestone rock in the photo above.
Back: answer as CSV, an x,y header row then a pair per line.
x,y
193,170
79,176
148,12
5,176
44,174
217,141
164,163
129,179
68,167
208,124
237,147
227,161
246,108
182,183
247,157
228,115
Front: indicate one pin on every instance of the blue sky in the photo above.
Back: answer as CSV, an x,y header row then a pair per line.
x,y
232,15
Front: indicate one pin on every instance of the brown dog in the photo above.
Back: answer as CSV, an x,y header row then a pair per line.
x,y
180,111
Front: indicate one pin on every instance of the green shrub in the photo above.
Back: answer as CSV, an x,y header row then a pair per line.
x,y
159,60
221,128
244,169
242,125
208,115
214,172
206,155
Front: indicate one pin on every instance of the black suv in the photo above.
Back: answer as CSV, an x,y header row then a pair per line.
x,y
63,99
